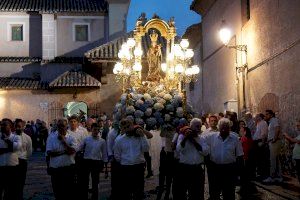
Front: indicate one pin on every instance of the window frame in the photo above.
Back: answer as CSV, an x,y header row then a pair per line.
x,y
9,31
74,31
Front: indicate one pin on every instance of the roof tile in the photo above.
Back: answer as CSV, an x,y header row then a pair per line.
x,y
75,79
54,6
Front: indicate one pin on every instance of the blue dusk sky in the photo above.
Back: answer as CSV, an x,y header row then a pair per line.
x,y
180,9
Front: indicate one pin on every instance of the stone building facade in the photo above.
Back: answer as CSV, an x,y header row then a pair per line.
x,y
271,31
42,63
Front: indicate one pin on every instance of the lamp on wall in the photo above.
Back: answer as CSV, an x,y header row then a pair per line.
x,y
225,35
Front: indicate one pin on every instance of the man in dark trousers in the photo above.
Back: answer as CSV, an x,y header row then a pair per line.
x,y
10,144
226,157
129,152
192,149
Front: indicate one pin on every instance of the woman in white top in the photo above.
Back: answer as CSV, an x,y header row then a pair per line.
x,y
95,154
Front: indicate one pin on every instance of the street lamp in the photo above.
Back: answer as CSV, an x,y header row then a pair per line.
x,y
225,36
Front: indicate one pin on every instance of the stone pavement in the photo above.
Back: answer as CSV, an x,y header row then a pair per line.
x,y
38,185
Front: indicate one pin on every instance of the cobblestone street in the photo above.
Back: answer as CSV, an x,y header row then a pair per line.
x,y
38,185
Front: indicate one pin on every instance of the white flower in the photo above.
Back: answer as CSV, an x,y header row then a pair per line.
x,y
161,101
179,112
138,103
167,97
167,117
130,110
161,95
140,96
134,96
158,106
138,114
148,112
147,96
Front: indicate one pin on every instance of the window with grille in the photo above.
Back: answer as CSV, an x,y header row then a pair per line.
x,y
17,32
81,33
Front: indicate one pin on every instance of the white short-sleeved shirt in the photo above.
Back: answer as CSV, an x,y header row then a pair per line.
x,y
79,134
189,154
26,149
274,122
261,131
94,148
111,139
224,152
129,150
296,150
208,132
10,158
55,145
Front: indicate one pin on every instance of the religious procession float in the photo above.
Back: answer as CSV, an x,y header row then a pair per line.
x,y
153,76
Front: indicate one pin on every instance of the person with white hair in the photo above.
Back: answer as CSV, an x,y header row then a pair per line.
x,y
192,149
226,153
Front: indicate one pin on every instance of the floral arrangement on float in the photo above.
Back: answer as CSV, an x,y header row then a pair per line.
x,y
153,110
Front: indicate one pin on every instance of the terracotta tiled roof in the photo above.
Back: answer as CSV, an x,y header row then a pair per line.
x,y
20,59
74,79
110,50
38,59
21,83
53,6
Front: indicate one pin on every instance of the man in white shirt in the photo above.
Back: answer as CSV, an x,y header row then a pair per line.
x,y
113,135
95,155
129,152
192,149
10,144
79,133
167,161
24,153
225,154
213,128
260,148
61,149
274,140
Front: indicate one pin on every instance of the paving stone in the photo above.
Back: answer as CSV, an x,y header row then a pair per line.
x,y
38,185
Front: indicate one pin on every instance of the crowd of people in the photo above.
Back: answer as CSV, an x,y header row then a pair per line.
x,y
231,152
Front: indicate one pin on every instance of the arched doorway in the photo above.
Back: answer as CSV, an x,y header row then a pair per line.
x,y
76,108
